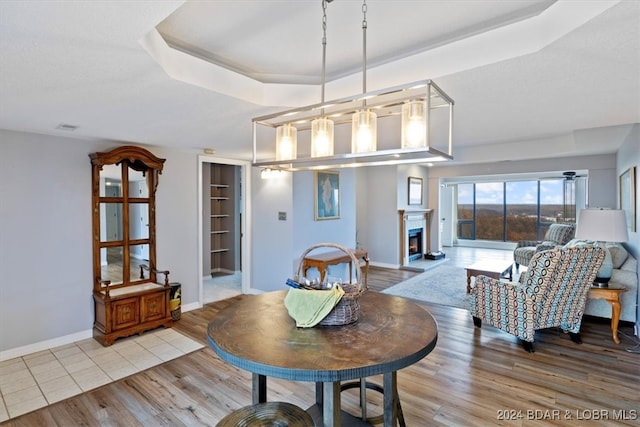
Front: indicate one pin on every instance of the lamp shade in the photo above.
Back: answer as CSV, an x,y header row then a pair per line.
x,y
603,225
286,142
364,131
321,137
414,124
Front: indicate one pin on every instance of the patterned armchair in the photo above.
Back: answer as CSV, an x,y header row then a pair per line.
x,y
556,235
551,293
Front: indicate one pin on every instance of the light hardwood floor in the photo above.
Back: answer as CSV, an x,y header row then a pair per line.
x,y
473,378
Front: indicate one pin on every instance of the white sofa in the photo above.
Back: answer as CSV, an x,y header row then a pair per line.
x,y
625,273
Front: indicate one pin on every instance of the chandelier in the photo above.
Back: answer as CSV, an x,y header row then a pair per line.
x,y
422,111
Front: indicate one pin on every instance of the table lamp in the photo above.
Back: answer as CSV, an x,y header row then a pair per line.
x,y
603,225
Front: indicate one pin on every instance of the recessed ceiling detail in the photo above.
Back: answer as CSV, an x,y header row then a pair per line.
x,y
280,41
270,58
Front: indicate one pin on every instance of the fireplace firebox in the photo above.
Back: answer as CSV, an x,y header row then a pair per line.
x,y
415,244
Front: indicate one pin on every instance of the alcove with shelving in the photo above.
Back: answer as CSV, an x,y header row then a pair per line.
x,y
221,213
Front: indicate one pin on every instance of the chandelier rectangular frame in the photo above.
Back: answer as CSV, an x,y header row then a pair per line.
x,y
385,103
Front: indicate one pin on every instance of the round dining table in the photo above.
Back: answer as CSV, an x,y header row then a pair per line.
x,y
257,334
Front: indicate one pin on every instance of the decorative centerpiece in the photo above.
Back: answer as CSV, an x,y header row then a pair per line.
x,y
327,303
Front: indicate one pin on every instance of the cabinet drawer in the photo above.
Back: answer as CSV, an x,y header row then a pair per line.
x,y
125,313
153,306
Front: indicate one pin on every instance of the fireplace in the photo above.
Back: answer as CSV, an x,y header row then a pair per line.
x,y
414,237
414,234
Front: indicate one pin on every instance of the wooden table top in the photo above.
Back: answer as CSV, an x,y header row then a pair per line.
x,y
258,335
491,265
336,256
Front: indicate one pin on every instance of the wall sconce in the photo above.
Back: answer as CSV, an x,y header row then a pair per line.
x,y
271,173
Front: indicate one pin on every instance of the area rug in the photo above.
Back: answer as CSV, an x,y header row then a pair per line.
x,y
445,284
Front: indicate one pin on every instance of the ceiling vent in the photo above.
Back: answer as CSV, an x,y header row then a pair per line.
x,y
67,127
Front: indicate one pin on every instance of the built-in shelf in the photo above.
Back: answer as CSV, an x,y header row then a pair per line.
x,y
217,251
222,213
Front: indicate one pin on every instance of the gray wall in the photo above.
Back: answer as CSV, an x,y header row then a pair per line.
x,y
277,245
45,234
378,213
45,238
45,223
271,239
629,156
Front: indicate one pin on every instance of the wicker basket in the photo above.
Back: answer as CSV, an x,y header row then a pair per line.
x,y
348,308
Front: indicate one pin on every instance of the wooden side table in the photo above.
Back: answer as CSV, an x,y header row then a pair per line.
x,y
323,260
612,295
490,268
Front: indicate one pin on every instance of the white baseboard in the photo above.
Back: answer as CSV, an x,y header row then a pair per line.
x,y
64,340
44,345
384,265
191,306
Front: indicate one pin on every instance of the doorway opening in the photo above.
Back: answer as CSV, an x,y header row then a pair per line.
x,y
222,229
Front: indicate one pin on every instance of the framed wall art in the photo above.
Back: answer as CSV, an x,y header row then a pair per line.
x,y
627,196
327,195
415,191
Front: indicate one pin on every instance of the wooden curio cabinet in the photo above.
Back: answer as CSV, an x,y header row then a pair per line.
x,y
127,296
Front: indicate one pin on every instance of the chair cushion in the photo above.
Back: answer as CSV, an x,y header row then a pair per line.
x,y
546,245
560,233
523,254
618,254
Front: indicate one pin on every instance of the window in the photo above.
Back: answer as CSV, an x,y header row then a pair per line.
x,y
512,210
490,211
522,210
466,211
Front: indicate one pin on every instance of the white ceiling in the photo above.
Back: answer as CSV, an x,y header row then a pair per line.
x,y
193,74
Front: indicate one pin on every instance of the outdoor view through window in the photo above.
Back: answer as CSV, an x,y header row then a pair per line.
x,y
514,210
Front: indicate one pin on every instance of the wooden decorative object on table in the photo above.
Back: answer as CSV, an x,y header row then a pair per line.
x,y
347,309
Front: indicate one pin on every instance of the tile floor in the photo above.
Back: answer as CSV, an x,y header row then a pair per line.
x,y
221,287
39,379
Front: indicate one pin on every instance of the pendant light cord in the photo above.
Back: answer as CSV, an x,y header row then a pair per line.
x,y
324,47
364,47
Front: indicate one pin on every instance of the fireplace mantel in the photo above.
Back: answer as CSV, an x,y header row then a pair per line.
x,y
409,216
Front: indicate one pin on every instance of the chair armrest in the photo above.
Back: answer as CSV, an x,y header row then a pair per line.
x,y
489,293
500,303
545,246
144,267
523,243
493,286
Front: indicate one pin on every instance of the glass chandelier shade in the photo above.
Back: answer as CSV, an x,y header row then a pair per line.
x,y
414,124
364,132
286,142
321,137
